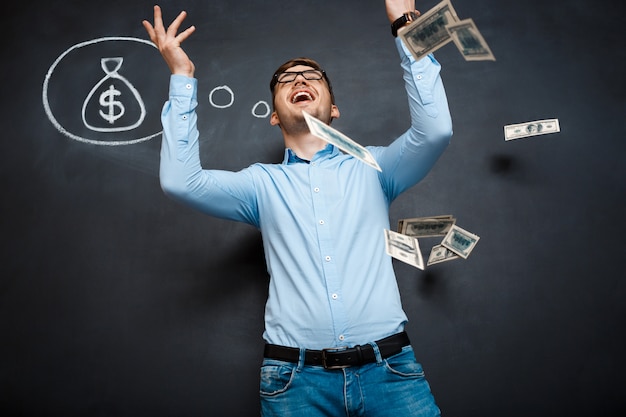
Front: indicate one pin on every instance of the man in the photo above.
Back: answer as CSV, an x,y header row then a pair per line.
x,y
334,324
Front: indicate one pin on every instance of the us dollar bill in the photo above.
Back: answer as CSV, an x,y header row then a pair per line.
x,y
428,33
404,248
426,226
524,130
469,41
460,241
440,253
331,135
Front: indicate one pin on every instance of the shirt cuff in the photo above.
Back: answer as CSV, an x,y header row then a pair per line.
x,y
405,53
181,86
423,75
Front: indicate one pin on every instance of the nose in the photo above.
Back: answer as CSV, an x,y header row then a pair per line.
x,y
300,79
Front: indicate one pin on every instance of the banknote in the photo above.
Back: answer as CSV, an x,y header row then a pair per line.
x,y
460,241
404,248
469,41
426,226
524,130
330,135
440,253
429,33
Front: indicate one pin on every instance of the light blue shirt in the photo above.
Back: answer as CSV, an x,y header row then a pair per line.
x,y
331,281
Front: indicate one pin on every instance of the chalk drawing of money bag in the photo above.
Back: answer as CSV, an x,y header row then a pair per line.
x,y
111,98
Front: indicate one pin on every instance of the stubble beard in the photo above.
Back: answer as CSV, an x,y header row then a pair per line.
x,y
297,124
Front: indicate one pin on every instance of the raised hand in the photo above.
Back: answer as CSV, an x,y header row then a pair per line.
x,y
169,41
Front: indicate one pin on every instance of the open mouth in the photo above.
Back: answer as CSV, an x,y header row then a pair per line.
x,y
301,96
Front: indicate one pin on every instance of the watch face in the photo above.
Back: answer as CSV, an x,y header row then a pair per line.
x,y
410,16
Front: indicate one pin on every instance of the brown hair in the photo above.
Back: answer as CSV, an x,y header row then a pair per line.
x,y
300,61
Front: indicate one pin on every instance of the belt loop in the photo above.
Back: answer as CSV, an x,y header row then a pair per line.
x,y
379,358
301,359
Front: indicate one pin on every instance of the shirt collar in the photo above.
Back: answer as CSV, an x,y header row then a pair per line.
x,y
329,151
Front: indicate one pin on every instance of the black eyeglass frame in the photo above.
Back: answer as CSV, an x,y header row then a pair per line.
x,y
321,72
274,81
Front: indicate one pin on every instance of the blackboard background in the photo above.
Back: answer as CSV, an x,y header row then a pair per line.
x,y
116,301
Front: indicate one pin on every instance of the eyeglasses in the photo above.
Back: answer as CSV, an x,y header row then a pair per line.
x,y
287,77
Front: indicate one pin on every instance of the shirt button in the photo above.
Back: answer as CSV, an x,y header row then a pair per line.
x,y
184,117
419,76
327,258
341,337
188,86
335,296
321,221
316,189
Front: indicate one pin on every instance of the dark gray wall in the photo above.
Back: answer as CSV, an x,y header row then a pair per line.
x,y
116,301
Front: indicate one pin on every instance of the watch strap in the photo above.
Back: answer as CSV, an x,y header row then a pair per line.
x,y
403,20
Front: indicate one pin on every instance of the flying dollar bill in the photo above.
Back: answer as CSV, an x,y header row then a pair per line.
x,y
440,253
429,33
404,248
524,130
460,241
330,135
426,226
469,41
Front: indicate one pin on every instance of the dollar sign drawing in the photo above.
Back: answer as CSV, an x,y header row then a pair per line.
x,y
114,109
107,99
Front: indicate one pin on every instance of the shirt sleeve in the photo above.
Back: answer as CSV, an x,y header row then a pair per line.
x,y
412,155
223,194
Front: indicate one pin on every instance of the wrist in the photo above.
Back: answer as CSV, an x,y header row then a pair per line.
x,y
403,20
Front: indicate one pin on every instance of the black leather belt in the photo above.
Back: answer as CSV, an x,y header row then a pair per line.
x,y
342,357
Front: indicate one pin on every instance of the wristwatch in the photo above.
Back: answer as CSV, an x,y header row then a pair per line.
x,y
403,20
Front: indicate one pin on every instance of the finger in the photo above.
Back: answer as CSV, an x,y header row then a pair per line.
x,y
185,34
173,28
158,18
148,26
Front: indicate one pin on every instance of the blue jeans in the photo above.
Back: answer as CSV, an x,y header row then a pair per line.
x,y
392,387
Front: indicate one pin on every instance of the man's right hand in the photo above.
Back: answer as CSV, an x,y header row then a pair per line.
x,y
168,42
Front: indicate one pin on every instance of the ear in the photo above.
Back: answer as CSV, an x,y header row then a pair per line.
x,y
334,112
274,120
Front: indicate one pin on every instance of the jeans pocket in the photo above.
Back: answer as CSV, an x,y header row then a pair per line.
x,y
404,364
276,377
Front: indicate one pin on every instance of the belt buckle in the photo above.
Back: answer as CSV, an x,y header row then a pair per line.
x,y
333,350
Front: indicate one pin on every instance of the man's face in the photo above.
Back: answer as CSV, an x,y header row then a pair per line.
x,y
302,94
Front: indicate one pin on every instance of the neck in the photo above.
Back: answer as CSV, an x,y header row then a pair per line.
x,y
305,145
